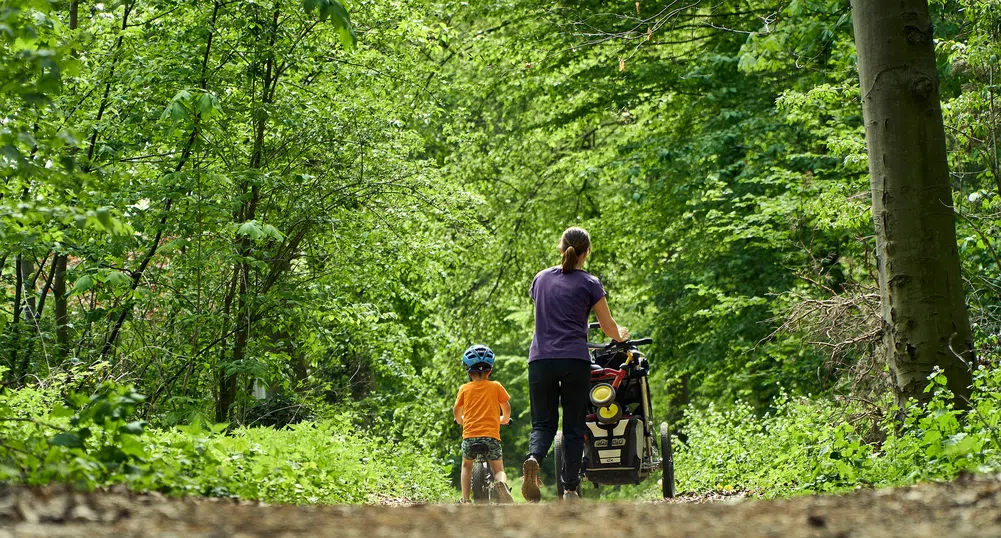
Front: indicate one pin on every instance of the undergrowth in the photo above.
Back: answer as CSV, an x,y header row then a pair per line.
x,y
802,446
826,446
95,441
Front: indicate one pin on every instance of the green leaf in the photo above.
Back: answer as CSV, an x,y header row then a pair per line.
x,y
67,439
133,428
175,111
250,229
130,446
338,15
272,232
117,279
208,105
103,215
61,411
8,473
82,285
12,154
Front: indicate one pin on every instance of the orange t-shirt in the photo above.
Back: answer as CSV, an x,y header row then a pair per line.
x,y
480,401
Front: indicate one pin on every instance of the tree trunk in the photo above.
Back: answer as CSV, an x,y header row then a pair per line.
x,y
15,326
28,293
46,288
60,261
925,323
62,317
228,379
27,313
223,398
248,211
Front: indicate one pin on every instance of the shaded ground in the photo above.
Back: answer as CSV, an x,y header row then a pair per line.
x,y
970,507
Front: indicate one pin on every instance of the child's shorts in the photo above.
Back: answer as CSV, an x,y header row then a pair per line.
x,y
493,448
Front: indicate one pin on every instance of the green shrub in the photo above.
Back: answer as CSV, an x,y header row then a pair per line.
x,y
802,445
96,442
277,411
821,445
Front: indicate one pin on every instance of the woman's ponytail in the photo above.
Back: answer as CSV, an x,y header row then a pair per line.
x,y
569,259
574,243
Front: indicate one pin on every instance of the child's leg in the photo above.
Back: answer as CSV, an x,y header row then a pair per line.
x,y
497,467
466,478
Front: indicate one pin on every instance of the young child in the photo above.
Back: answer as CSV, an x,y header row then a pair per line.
x,y
480,408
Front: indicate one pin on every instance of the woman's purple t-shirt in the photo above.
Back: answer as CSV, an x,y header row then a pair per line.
x,y
562,305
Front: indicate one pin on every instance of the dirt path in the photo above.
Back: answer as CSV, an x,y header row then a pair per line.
x,y
959,509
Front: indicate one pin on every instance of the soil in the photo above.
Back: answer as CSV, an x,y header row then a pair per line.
x,y
967,507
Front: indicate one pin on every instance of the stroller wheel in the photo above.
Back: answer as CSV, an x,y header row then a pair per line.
x,y
558,459
609,414
666,461
602,394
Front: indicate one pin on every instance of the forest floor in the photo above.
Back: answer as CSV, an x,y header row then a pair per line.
x,y
966,507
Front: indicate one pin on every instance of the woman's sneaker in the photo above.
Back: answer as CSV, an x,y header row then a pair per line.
x,y
530,480
503,494
571,495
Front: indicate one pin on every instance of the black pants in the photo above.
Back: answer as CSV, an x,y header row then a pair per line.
x,y
552,382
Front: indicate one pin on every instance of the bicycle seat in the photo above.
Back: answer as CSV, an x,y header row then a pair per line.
x,y
479,448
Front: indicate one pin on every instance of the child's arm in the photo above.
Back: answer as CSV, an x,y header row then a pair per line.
x,y
506,413
457,408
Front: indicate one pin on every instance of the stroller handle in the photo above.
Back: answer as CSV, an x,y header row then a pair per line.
x,y
625,344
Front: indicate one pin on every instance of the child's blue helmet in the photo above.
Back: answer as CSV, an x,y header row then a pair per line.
x,y
478,357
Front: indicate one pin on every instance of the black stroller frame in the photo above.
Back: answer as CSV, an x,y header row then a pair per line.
x,y
620,446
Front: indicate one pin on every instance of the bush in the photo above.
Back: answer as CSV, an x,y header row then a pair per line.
x,y
95,442
277,411
807,446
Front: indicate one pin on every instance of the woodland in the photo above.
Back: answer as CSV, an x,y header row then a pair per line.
x,y
243,243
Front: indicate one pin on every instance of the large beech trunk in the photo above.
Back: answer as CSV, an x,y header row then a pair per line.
x,y
925,322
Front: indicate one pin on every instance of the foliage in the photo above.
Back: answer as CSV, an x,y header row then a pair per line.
x,y
102,444
820,445
169,235
277,411
332,200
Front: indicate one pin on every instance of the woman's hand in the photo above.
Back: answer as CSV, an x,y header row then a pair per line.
x,y
623,334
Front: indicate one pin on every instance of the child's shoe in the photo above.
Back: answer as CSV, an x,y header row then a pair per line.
x,y
503,493
571,495
530,480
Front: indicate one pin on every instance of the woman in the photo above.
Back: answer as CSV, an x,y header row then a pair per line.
x,y
559,367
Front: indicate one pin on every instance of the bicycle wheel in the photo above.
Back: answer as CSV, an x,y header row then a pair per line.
x,y
481,482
